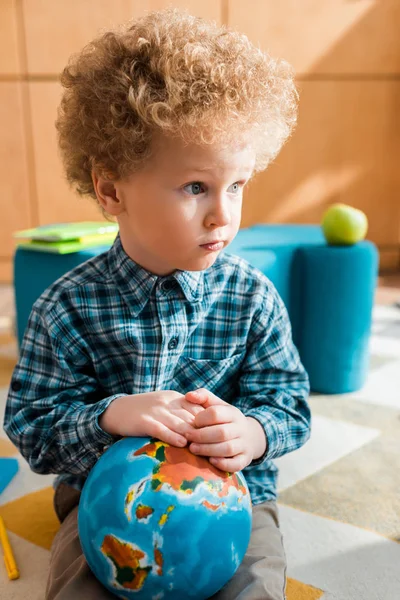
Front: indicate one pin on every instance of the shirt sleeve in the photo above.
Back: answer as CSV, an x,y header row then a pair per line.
x,y
54,402
273,384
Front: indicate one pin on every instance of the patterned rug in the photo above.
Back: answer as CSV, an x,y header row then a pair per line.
x,y
339,500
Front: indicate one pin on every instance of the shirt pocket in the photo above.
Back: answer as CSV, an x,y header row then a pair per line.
x,y
217,375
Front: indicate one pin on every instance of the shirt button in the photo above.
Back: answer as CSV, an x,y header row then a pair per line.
x,y
173,342
16,386
168,285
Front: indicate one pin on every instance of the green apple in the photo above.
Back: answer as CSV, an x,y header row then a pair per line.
x,y
344,225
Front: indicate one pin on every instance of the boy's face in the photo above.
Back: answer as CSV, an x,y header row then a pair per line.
x,y
183,198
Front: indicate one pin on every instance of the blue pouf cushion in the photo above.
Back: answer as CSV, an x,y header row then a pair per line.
x,y
338,293
35,271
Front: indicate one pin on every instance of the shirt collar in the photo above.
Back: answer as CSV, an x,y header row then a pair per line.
x,y
136,283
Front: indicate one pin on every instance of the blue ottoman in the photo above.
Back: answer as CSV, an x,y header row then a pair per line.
x,y
35,271
328,291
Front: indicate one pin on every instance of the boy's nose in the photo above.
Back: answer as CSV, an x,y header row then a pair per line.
x,y
218,213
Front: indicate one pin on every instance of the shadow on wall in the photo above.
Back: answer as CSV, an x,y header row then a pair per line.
x,y
346,146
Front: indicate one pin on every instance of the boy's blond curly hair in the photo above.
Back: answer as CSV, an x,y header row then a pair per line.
x,y
175,74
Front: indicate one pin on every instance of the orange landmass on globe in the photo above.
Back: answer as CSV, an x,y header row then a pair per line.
x,y
213,507
142,511
130,574
183,471
159,559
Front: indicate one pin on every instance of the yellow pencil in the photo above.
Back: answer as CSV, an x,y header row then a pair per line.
x,y
11,565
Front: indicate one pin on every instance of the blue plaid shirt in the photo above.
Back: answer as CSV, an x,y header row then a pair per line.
x,y
110,328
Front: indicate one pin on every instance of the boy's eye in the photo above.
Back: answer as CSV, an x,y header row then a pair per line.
x,y
196,188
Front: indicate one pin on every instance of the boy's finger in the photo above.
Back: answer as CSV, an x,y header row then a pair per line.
x,y
204,397
223,449
213,434
191,408
163,433
179,425
214,415
229,465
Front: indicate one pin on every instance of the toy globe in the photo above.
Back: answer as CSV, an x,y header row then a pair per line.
x,y
157,522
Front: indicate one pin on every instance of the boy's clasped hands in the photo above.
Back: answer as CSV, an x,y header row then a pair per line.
x,y
223,433
207,424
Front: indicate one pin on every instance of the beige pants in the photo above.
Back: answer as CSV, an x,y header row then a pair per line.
x,y
261,576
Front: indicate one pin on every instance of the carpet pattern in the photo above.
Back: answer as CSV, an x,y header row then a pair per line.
x,y
339,501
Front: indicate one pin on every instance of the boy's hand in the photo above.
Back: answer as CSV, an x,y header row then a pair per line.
x,y
224,434
165,415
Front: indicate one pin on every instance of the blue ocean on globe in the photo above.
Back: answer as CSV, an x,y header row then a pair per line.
x,y
157,522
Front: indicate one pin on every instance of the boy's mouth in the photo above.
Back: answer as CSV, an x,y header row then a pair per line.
x,y
213,246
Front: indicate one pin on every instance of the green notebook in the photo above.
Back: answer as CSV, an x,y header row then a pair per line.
x,y
63,238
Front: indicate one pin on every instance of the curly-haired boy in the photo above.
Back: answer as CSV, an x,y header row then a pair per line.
x,y
164,121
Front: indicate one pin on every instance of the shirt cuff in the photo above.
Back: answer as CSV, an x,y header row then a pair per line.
x,y
91,435
274,442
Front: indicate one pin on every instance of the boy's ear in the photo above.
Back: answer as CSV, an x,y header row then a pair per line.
x,y
107,195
